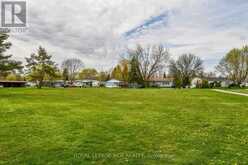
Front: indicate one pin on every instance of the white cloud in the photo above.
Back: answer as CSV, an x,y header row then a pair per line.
x,y
94,30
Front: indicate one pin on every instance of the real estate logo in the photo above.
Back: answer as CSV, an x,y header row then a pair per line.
x,y
13,14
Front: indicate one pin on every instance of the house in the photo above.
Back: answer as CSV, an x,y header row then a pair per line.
x,y
12,83
135,85
196,82
47,83
86,83
31,84
90,83
212,82
162,83
226,83
219,82
96,83
77,83
113,83
58,84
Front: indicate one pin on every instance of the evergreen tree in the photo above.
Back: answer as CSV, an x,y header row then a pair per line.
x,y
65,75
134,73
6,64
40,66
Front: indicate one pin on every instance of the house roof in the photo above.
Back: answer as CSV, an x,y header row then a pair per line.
x,y
5,81
161,79
213,78
89,80
216,79
114,81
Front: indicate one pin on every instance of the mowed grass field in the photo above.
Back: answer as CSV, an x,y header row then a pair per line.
x,y
122,126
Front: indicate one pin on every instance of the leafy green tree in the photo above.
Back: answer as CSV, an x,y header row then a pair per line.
x,y
125,70
11,77
177,81
121,71
40,66
235,65
185,68
88,73
6,64
205,84
117,73
103,76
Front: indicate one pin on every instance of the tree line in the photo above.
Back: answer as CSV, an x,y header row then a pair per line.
x,y
139,66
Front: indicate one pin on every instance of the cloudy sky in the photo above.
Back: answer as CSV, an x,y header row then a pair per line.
x,y
99,31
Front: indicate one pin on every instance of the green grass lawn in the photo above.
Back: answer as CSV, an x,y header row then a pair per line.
x,y
122,126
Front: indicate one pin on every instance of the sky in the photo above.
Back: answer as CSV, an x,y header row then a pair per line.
x,y
99,31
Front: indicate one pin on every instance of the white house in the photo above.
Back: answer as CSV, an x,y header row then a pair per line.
x,y
78,83
95,83
162,83
196,82
31,84
214,82
113,83
58,84
226,83
87,83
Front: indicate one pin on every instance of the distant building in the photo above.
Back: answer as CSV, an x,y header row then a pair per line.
x,y
77,83
219,82
113,83
87,83
58,84
134,85
196,82
162,83
91,83
212,82
31,84
12,83
96,83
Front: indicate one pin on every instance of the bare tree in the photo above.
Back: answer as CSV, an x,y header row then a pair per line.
x,y
235,65
150,60
209,74
185,68
73,67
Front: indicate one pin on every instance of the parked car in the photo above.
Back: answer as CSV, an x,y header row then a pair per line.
x,y
244,84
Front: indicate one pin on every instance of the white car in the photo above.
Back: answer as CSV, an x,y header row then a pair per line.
x,y
245,84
